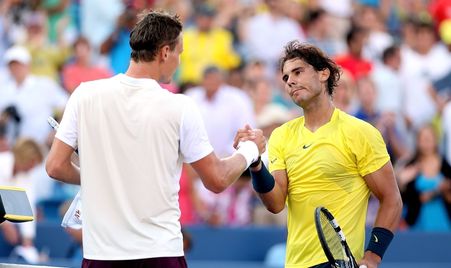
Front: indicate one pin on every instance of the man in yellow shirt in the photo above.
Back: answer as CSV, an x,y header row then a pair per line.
x,y
325,158
205,45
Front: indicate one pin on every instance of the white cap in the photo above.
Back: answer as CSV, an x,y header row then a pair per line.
x,y
17,53
273,114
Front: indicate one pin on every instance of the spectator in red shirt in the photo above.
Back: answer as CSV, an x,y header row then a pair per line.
x,y
440,10
353,61
82,69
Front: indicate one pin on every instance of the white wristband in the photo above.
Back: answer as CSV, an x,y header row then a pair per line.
x,y
249,150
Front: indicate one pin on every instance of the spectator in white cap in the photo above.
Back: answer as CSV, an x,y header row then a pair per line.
x,y
272,116
16,60
18,54
32,98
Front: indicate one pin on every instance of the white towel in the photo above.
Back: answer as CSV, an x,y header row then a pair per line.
x,y
72,218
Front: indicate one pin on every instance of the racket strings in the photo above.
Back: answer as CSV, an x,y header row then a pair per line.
x,y
332,238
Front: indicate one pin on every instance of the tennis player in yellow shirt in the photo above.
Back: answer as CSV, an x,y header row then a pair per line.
x,y
325,158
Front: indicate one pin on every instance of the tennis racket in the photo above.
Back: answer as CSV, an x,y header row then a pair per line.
x,y
333,240
53,123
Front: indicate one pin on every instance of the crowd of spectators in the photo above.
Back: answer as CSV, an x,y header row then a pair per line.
x,y
396,74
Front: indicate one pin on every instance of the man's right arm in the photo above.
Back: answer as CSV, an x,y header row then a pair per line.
x,y
274,199
217,174
59,165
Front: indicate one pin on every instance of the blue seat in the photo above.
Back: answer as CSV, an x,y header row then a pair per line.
x,y
50,208
5,248
53,239
233,244
420,247
50,238
251,244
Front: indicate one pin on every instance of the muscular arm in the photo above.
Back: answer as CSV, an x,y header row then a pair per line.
x,y
59,165
382,184
217,174
274,200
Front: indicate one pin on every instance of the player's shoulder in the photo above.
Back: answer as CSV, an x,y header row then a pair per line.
x,y
93,85
89,89
101,81
294,123
352,124
290,126
182,100
181,97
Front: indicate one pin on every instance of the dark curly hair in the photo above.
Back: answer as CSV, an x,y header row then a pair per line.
x,y
315,57
154,30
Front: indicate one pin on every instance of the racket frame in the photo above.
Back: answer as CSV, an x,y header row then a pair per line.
x,y
331,220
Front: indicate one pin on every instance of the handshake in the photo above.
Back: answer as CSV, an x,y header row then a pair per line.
x,y
250,143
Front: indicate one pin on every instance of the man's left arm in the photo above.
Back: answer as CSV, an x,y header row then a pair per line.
x,y
382,184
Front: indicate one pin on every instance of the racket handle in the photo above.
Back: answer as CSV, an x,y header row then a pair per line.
x,y
55,125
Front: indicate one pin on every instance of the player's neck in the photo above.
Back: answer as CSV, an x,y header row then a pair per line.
x,y
143,70
319,115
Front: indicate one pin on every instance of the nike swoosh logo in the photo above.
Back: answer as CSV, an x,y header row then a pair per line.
x,y
306,146
273,160
375,238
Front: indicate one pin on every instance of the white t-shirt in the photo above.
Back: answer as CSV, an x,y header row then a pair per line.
x,y
132,137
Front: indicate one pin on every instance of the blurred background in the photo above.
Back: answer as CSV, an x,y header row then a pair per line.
x,y
395,57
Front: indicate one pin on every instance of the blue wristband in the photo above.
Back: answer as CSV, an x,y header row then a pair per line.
x,y
379,241
262,180
256,163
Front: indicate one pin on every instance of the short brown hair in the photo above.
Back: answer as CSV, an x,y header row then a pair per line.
x,y
154,30
315,57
